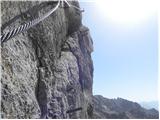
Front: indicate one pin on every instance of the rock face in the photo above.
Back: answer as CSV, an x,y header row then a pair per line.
x,y
47,70
121,109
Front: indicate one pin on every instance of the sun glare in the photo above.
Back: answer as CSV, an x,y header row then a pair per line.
x,y
126,11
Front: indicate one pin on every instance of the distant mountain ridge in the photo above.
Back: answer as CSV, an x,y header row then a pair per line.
x,y
150,104
121,108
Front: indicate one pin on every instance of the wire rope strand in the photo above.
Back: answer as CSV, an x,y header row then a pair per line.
x,y
26,26
33,22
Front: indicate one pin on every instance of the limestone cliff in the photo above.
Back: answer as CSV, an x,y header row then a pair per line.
x,y
47,71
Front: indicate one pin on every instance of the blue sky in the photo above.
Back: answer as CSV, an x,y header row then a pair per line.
x,y
125,57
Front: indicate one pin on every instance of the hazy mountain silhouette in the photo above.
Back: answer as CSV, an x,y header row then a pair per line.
x,y
150,104
121,108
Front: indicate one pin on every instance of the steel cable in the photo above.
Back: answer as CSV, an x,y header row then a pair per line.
x,y
6,36
26,26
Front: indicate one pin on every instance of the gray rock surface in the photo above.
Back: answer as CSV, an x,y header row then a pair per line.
x,y
122,109
48,69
